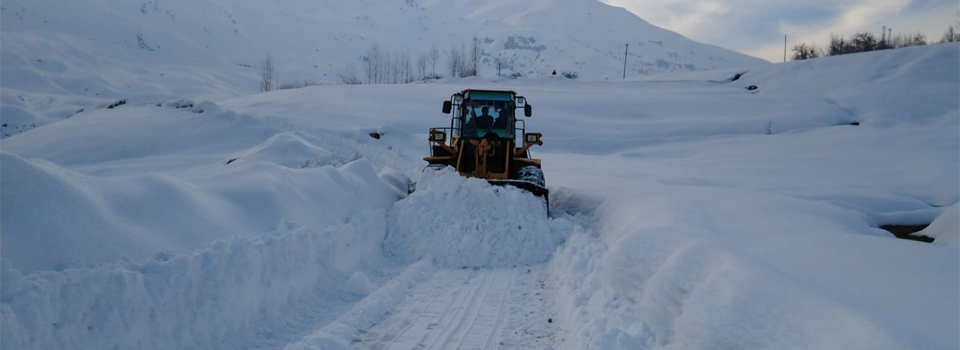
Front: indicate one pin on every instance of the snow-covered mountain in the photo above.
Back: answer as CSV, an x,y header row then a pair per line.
x,y
114,49
59,57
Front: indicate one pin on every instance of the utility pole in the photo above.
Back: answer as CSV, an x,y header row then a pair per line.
x,y
784,48
625,50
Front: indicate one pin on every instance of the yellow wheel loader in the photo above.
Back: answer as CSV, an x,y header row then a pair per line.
x,y
486,140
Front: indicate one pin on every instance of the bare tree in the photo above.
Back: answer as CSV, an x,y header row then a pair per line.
x,y
804,52
268,75
904,40
385,66
434,56
886,38
838,46
422,67
950,36
388,67
349,76
864,42
372,64
475,53
456,65
404,68
394,69
464,65
918,40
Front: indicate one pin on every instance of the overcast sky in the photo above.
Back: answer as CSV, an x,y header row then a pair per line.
x,y
756,27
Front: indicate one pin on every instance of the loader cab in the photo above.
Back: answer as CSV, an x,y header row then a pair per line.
x,y
470,122
486,118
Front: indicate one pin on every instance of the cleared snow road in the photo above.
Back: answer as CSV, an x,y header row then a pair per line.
x,y
467,309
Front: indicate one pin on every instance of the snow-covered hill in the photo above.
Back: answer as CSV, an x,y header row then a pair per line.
x,y
317,39
110,50
689,213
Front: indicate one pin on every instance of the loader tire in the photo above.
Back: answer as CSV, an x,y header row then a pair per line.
x,y
532,175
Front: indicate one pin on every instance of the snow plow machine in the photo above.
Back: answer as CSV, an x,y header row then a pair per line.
x,y
486,140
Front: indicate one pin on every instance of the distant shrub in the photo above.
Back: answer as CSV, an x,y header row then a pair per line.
x,y
804,52
350,80
295,85
838,46
571,75
905,40
866,41
349,76
950,36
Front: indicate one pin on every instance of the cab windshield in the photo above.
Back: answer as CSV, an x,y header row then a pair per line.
x,y
482,117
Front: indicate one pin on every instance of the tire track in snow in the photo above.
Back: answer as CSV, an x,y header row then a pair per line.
x,y
454,318
370,311
528,323
405,324
456,309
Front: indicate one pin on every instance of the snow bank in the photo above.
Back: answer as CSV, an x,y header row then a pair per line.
x,y
685,294
53,218
946,228
460,222
132,181
763,271
224,297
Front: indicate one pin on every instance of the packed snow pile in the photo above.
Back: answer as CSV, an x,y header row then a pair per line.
x,y
222,297
460,222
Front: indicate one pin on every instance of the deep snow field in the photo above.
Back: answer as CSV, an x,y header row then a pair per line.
x,y
688,212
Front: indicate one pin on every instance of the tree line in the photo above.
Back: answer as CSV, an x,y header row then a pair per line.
x,y
867,41
383,66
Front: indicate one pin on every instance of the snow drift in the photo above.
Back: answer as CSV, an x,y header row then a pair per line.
x,y
119,189
946,228
223,297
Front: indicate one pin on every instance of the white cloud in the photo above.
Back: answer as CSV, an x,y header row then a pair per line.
x,y
756,27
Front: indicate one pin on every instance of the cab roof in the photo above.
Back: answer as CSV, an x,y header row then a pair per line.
x,y
483,90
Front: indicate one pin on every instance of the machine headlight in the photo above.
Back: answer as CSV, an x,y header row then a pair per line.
x,y
439,136
531,138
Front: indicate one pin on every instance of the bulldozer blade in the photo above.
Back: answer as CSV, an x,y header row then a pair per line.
x,y
524,185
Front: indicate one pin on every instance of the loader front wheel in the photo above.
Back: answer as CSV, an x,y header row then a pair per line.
x,y
532,175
